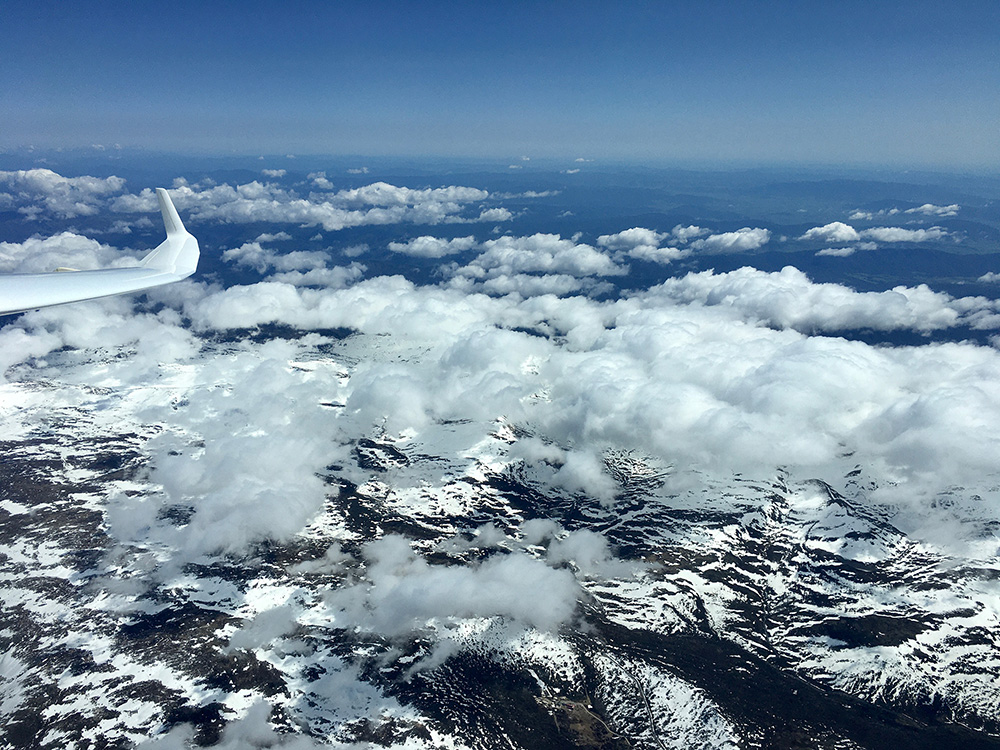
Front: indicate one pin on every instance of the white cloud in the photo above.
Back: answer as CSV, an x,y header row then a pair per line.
x,y
788,299
319,180
657,254
64,250
378,203
631,238
539,253
236,458
687,371
898,234
641,244
843,252
495,214
433,247
337,277
738,241
835,231
384,194
403,593
860,215
274,172
63,197
254,255
527,285
684,233
929,209
837,252
269,237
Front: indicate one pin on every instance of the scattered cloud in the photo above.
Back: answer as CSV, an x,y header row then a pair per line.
x,y
788,299
433,247
378,203
539,253
837,252
642,244
929,209
898,234
274,172
42,190
631,238
728,242
684,233
403,593
835,231
64,250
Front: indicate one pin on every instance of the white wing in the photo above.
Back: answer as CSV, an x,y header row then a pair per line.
x,y
174,259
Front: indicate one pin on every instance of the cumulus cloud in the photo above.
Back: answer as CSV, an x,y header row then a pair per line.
x,y
539,253
837,252
378,203
495,214
273,237
788,299
843,252
835,231
274,172
38,190
235,460
729,242
632,374
631,238
254,255
337,277
384,194
402,593
898,234
319,180
641,244
657,254
929,209
433,247
684,233
526,285
64,250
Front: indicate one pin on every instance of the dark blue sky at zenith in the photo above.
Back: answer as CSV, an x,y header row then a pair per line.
x,y
847,83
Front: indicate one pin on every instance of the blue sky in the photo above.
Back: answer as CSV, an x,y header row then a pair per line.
x,y
801,82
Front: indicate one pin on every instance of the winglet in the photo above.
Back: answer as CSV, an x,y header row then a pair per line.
x,y
171,221
179,253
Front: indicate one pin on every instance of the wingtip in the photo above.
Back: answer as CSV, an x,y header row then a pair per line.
x,y
179,253
171,220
